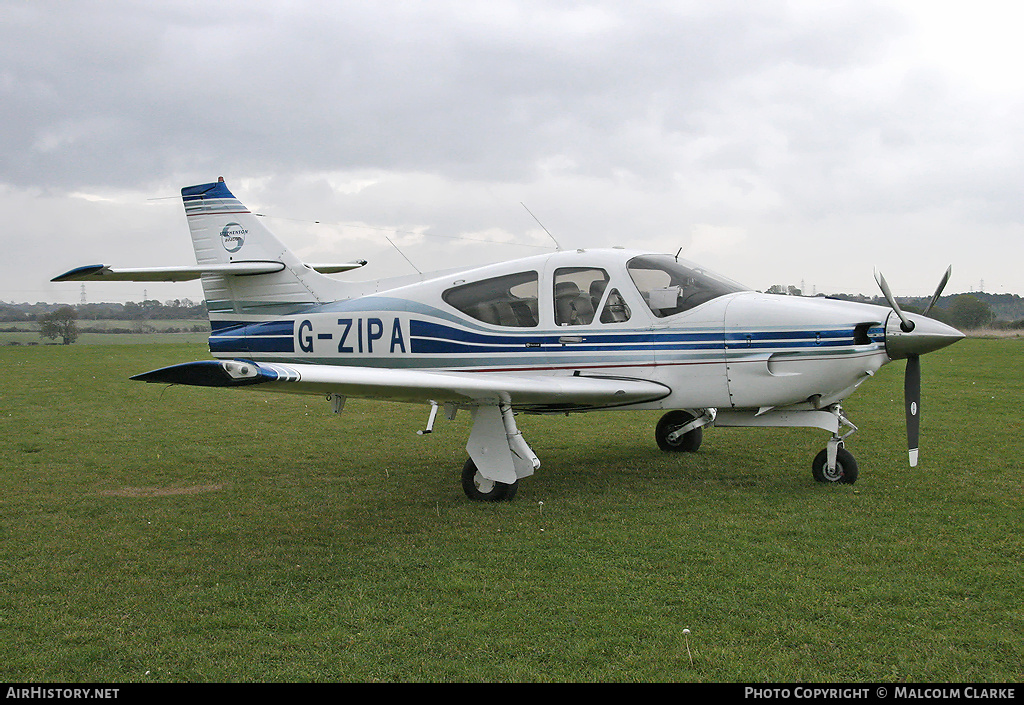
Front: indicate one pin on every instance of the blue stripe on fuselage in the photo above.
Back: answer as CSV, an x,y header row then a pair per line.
x,y
269,336
434,338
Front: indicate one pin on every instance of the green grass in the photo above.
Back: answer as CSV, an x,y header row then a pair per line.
x,y
187,534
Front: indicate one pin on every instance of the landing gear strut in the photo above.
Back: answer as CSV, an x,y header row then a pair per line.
x,y
836,464
498,455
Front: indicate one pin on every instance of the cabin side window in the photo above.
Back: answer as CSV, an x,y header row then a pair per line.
x,y
509,300
580,292
575,287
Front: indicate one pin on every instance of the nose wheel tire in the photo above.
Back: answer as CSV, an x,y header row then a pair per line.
x,y
480,489
689,442
845,471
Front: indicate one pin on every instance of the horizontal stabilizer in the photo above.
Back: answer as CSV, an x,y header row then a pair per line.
x,y
101,272
335,268
538,393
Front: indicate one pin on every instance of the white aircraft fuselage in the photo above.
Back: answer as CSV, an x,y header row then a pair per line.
x,y
742,349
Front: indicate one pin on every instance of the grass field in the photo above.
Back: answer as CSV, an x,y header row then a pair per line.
x,y
186,534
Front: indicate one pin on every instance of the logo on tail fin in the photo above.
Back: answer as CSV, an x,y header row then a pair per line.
x,y
233,237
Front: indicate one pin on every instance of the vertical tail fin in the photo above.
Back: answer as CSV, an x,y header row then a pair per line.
x,y
225,232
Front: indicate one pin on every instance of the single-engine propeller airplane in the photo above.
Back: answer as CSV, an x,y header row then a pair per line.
x,y
569,331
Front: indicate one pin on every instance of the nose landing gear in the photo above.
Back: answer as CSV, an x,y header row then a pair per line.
x,y
834,463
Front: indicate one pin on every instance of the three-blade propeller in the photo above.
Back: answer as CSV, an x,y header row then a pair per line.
x,y
912,379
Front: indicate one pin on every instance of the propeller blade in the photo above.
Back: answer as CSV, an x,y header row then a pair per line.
x,y
938,291
907,325
912,402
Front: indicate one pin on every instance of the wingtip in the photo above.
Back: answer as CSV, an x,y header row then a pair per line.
x,y
79,272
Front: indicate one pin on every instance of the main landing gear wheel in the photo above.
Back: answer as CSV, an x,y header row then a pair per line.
x,y
689,442
844,473
480,489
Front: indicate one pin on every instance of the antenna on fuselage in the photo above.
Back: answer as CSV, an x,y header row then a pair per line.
x,y
404,257
557,246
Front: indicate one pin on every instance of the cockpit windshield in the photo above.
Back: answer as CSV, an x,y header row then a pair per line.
x,y
670,286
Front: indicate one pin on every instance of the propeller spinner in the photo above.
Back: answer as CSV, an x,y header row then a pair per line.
x,y
909,337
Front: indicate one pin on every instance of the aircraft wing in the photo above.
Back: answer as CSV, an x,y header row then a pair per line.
x,y
539,393
102,272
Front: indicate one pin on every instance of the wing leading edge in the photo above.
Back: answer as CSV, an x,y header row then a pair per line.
x,y
561,393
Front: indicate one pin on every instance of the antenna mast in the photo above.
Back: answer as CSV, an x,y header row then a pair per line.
x,y
557,246
404,257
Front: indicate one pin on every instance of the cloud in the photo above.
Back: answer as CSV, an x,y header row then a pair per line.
x,y
406,86
801,124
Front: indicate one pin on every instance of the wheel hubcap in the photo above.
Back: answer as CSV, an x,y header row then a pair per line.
x,y
482,483
835,474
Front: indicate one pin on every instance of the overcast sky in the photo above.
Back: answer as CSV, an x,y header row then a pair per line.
x,y
775,142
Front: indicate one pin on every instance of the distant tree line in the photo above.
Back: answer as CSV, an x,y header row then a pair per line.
x,y
149,310
963,311
61,321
